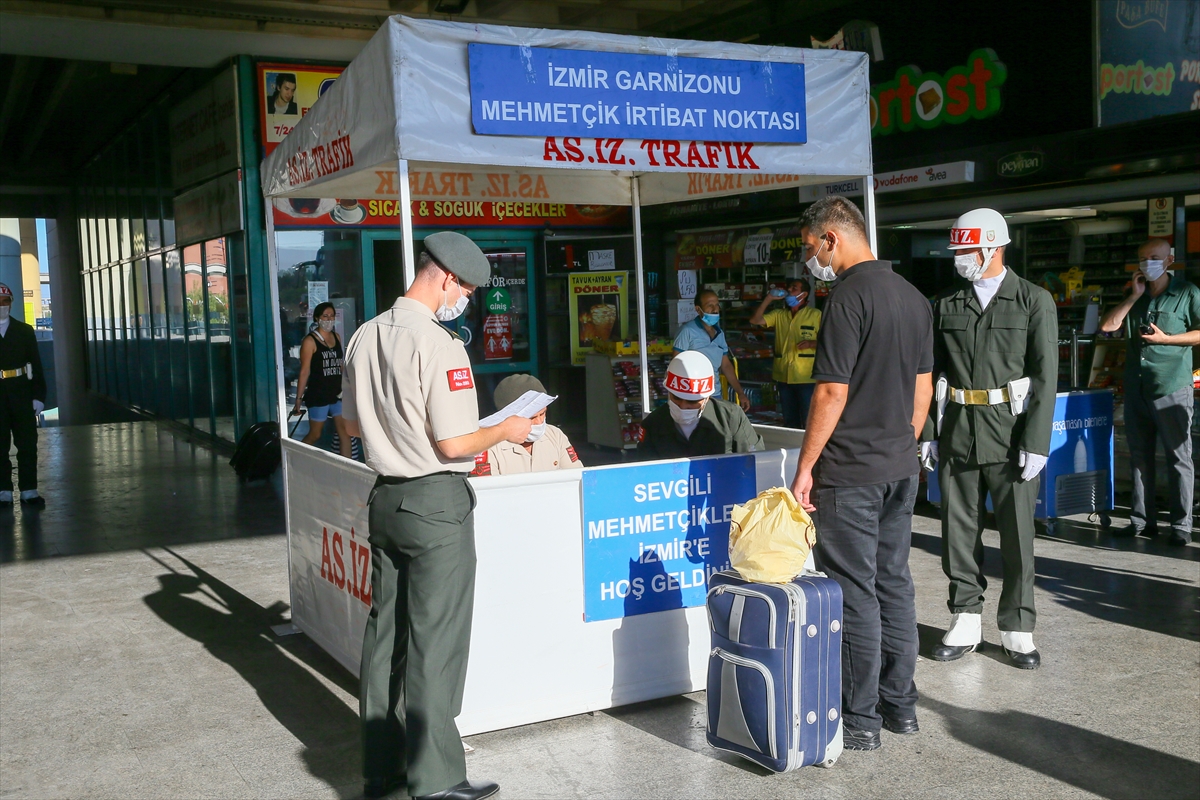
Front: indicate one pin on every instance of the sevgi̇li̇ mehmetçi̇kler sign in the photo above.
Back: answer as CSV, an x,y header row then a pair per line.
x,y
653,534
532,91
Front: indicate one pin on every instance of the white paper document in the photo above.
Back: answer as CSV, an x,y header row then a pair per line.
x,y
527,406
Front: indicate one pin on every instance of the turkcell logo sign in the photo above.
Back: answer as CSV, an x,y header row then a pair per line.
x,y
653,534
530,91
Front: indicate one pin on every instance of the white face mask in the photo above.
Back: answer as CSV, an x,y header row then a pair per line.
x,y
684,416
970,267
447,312
4,312
1152,269
821,272
327,325
536,432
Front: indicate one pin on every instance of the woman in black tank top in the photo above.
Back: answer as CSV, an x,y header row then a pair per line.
x,y
320,384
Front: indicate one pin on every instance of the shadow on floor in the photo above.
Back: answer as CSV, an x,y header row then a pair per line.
x,y
1157,603
682,721
240,636
1096,763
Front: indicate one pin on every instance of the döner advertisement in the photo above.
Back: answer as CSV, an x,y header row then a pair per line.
x,y
534,91
652,535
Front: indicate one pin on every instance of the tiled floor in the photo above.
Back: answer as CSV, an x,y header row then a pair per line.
x,y
139,663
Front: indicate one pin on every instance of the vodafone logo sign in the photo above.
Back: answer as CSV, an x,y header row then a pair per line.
x,y
684,386
964,236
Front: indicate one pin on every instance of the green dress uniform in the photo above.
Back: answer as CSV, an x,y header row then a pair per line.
x,y
407,380
23,382
1016,336
723,428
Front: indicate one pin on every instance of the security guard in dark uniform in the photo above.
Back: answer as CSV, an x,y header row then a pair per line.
x,y
409,393
996,352
692,422
22,398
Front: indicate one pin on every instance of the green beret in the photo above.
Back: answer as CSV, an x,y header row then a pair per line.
x,y
461,256
513,387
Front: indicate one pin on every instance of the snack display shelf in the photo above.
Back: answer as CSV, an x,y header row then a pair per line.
x,y
614,402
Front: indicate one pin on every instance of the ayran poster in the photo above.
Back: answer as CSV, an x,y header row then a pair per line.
x,y
286,93
599,309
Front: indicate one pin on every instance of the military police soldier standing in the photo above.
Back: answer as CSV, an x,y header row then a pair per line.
x,y
22,398
996,350
409,393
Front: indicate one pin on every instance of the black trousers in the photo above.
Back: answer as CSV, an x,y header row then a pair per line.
x,y
864,534
17,424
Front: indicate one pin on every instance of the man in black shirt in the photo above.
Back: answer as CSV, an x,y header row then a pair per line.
x,y
858,469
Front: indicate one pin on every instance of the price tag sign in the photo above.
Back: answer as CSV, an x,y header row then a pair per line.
x,y
601,260
758,249
687,284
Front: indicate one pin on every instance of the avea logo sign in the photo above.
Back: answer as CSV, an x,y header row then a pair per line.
x,y
916,99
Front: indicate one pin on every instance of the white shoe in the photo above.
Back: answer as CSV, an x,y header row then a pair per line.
x,y
965,630
1017,641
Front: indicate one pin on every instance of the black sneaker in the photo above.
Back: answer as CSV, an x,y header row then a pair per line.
x,y
860,740
1179,539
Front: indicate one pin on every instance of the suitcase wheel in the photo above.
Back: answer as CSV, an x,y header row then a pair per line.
x,y
827,763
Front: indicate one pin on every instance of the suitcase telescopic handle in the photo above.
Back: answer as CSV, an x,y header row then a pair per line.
x,y
299,419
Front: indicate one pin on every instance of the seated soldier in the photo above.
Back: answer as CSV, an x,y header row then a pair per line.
x,y
547,447
693,422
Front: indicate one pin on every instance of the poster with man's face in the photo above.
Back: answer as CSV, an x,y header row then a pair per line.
x,y
287,92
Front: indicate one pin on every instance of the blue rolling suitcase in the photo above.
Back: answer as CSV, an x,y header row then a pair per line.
x,y
775,670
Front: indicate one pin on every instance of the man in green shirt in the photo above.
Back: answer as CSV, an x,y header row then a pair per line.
x,y
693,422
1161,316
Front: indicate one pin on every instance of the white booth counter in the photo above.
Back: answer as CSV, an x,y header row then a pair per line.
x,y
533,655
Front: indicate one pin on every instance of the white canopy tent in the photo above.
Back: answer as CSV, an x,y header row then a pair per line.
x,y
398,125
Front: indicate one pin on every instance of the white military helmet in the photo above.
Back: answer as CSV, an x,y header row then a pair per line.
x,y
690,376
983,227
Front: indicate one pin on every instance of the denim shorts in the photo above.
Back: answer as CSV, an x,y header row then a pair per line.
x,y
321,413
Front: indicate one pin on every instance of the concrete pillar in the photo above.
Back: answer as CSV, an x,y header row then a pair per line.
x,y
31,277
10,263
66,287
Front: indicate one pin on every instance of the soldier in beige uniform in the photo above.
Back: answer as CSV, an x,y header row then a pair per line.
x,y
409,393
546,448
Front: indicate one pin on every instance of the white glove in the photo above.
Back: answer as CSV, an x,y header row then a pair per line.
x,y
38,406
929,455
1031,463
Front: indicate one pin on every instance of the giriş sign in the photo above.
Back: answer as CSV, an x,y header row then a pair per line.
x,y
916,99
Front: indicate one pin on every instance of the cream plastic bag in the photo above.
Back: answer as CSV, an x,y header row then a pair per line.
x,y
770,537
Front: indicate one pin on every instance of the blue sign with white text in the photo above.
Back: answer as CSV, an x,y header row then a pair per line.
x,y
533,91
652,534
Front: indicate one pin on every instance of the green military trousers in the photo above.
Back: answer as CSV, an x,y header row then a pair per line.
x,y
965,487
414,660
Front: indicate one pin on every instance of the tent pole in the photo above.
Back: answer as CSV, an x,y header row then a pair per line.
x,y
406,224
640,271
280,384
869,207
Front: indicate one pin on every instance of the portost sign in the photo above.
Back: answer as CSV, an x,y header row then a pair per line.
x,y
915,99
535,91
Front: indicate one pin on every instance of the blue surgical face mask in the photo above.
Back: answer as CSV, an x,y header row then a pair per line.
x,y
711,320
791,301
